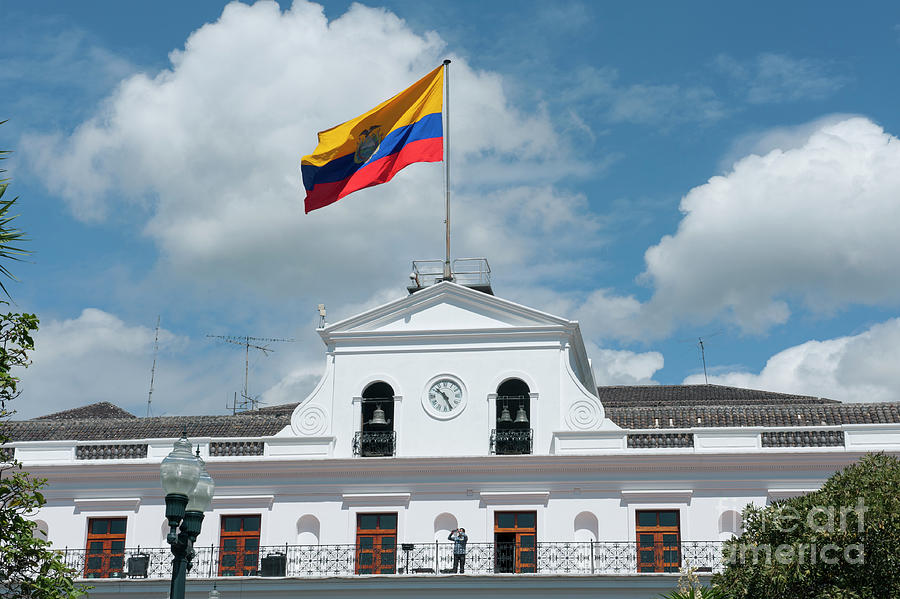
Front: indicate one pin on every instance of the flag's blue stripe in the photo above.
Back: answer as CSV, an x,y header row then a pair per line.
x,y
429,126
426,127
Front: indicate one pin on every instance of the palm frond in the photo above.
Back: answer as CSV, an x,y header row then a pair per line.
x,y
10,236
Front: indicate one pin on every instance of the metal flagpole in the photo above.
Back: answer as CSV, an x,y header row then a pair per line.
x,y
448,275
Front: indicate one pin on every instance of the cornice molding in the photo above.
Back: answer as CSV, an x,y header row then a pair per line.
x,y
502,335
657,495
776,494
243,501
376,499
280,469
407,585
515,497
107,504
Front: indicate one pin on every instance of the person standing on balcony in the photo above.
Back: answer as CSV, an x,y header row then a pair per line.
x,y
459,538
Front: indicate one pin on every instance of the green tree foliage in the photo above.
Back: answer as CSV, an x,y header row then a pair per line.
x,y
841,542
689,587
696,593
29,568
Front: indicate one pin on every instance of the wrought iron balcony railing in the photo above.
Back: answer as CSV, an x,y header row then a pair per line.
x,y
372,444
597,557
511,442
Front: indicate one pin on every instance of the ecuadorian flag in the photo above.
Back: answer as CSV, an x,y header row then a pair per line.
x,y
375,146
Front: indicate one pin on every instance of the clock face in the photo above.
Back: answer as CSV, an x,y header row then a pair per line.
x,y
445,396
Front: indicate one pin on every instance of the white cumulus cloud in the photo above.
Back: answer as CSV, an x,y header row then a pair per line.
x,y
814,225
211,148
624,367
99,357
809,223
857,368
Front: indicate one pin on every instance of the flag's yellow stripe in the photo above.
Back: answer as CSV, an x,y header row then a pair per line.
x,y
423,97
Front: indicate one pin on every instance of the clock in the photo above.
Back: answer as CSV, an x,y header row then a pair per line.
x,y
444,397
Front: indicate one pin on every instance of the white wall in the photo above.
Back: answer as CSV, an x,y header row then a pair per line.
x,y
480,370
468,491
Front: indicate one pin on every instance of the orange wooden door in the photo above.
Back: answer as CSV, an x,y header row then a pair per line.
x,y
515,541
239,545
376,543
658,540
105,555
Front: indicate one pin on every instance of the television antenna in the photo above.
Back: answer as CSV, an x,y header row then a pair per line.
x,y
153,368
247,402
701,350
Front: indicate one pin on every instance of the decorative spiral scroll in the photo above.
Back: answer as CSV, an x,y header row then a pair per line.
x,y
584,415
310,421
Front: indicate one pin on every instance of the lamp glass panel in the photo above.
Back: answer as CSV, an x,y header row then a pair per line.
x,y
201,498
180,470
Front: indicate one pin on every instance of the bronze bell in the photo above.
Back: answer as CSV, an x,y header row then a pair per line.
x,y
378,416
504,415
521,416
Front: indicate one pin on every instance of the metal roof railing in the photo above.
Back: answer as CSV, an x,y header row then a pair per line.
x,y
471,272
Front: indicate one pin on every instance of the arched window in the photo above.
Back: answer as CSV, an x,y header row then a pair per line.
x,y
40,530
376,436
443,524
513,396
308,530
586,527
512,434
730,524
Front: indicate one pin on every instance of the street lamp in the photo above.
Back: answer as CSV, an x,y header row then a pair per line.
x,y
189,491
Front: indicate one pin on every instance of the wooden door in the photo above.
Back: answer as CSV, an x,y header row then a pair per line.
x,y
239,545
515,541
376,543
658,541
105,555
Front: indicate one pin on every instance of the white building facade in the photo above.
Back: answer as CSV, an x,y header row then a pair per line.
x,y
447,408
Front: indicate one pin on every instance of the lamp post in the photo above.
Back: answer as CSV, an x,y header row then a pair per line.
x,y
189,491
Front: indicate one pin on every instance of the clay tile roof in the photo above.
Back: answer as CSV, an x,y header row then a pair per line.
x,y
102,409
688,406
164,427
631,407
690,395
286,408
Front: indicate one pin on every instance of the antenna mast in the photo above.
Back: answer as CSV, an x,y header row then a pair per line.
x,y
153,368
703,358
247,402
702,347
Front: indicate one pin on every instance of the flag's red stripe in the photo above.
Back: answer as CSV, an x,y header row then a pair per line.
x,y
375,173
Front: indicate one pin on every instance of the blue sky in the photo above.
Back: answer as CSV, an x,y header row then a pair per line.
x,y
658,171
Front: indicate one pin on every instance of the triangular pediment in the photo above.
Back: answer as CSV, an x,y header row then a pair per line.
x,y
446,306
